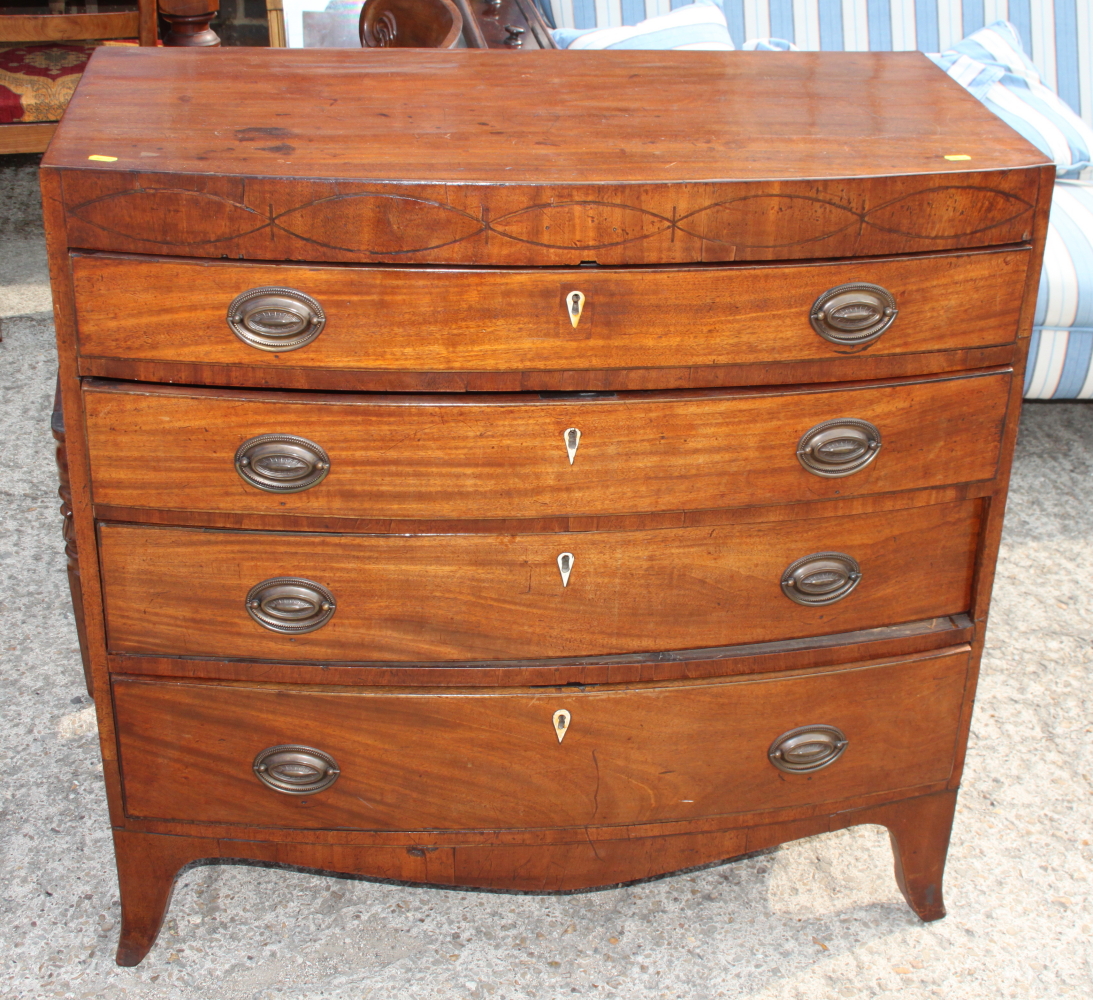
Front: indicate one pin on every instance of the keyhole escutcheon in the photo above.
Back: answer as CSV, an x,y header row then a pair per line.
x,y
565,567
572,438
561,720
575,306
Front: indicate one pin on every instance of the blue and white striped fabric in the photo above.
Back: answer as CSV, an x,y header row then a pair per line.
x,y
769,45
989,64
1062,334
698,26
1057,34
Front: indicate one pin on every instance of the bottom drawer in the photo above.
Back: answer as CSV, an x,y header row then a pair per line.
x,y
460,759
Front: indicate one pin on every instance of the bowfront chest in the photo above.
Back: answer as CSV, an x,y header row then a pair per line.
x,y
533,473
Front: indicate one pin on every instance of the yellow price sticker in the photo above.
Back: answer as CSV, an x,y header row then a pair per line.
x,y
957,156
102,159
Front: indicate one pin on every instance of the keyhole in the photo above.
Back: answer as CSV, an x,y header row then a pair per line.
x,y
575,304
565,564
573,437
562,722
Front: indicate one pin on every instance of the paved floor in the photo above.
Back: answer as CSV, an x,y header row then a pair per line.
x,y
814,920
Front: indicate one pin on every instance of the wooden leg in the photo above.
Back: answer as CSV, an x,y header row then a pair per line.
x,y
147,866
919,830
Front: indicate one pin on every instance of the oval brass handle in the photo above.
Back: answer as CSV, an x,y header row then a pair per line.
x,y
281,463
290,605
853,314
838,447
821,578
275,319
807,748
296,770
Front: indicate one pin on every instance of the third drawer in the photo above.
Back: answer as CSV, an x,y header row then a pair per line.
x,y
521,456
193,592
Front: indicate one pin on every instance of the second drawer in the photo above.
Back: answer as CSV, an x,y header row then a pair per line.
x,y
529,456
189,592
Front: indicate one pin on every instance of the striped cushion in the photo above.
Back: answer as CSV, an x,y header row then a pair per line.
x,y
769,45
1058,34
1062,334
992,67
700,25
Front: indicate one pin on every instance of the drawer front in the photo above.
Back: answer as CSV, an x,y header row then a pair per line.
x,y
433,320
458,457
465,760
479,597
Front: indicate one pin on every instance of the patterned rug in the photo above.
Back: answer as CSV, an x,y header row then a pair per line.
x,y
37,80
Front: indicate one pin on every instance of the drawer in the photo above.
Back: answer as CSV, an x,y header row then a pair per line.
x,y
428,598
476,320
465,760
461,456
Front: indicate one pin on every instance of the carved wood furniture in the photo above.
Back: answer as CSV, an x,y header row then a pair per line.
x,y
188,22
504,24
516,25
410,24
479,492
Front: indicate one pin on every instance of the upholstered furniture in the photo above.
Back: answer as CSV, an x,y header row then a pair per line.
x,y
44,50
1057,35
534,521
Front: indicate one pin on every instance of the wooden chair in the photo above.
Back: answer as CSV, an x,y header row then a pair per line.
x,y
431,24
43,52
439,24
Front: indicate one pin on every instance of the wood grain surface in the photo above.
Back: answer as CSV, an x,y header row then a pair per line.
x,y
383,166
261,218
492,760
434,320
464,457
837,506
29,138
113,21
457,597
451,168
839,367
889,641
148,862
709,115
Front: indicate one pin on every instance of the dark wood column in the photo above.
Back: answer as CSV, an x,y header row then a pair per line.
x,y
188,22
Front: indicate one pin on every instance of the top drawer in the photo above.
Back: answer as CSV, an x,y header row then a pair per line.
x,y
390,319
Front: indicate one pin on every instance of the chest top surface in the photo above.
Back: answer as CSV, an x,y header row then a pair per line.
x,y
484,117
474,157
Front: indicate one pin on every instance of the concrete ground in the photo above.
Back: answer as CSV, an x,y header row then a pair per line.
x,y
819,919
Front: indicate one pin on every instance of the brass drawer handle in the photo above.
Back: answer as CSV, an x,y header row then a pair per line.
x,y
821,578
275,319
296,770
281,463
807,748
290,605
838,447
854,314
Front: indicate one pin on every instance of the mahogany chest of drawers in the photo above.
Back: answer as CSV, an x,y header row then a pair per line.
x,y
533,473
